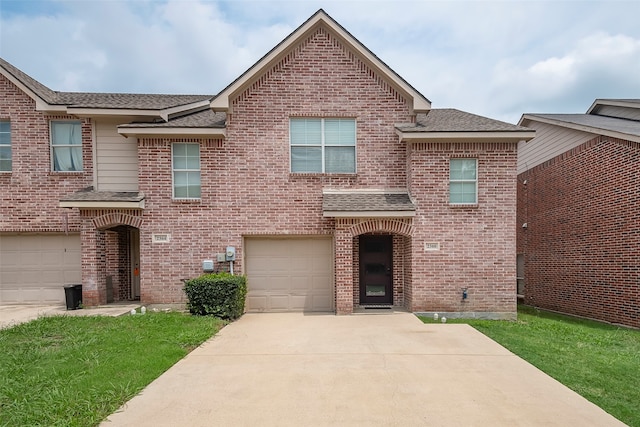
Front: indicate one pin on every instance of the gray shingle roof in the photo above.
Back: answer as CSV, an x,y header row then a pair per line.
x,y
88,195
366,202
200,119
102,100
630,127
452,120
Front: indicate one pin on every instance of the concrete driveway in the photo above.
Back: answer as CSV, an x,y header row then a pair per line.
x,y
360,370
11,315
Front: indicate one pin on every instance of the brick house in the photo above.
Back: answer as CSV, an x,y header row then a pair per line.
x,y
578,199
330,179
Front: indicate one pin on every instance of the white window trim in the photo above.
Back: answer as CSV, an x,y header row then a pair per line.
x,y
323,145
475,181
173,170
51,156
8,145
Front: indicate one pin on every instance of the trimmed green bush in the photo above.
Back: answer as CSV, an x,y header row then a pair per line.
x,y
219,294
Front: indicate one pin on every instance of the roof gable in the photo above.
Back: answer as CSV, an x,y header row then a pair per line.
x,y
417,102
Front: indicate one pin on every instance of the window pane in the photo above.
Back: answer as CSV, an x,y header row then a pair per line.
x,y
180,184
340,132
462,169
5,165
192,150
66,133
306,159
179,150
5,158
193,162
67,159
462,192
340,160
179,162
5,126
305,131
194,185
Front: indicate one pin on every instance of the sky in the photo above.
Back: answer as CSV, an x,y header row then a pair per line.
x,y
498,59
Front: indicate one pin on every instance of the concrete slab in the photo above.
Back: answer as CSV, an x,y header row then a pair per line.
x,y
324,370
11,315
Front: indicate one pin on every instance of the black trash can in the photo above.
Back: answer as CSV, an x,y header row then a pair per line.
x,y
73,296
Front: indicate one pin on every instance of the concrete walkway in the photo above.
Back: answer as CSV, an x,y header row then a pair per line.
x,y
11,315
359,370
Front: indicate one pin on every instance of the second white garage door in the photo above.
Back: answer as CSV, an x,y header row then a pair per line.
x,y
292,274
35,267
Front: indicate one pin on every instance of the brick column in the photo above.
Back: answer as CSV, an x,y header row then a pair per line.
x,y
344,270
94,264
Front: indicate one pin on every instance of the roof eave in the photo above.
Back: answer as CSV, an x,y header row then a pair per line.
x,y
221,103
368,214
479,136
583,128
611,102
172,132
93,204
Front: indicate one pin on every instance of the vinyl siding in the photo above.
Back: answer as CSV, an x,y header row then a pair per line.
x,y
117,158
549,142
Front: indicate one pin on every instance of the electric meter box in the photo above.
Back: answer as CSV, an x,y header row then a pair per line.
x,y
207,265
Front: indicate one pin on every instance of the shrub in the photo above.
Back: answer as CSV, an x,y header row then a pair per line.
x,y
219,294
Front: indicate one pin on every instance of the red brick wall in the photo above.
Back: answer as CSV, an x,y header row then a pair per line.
x,y
583,237
247,188
477,243
29,195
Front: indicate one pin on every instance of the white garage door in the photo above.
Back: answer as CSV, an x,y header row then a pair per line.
x,y
35,267
293,274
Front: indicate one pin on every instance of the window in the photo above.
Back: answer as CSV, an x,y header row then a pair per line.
x,y
5,146
186,171
323,145
463,181
66,146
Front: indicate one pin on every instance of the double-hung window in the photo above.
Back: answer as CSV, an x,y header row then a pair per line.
x,y
322,145
66,146
463,181
5,146
186,171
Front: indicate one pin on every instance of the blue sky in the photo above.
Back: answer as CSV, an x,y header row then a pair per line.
x,y
499,59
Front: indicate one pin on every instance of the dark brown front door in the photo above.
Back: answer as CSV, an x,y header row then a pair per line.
x,y
376,275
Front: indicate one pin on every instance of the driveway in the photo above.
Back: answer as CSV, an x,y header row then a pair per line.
x,y
360,370
11,315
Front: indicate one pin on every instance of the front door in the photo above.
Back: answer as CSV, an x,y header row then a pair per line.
x,y
376,274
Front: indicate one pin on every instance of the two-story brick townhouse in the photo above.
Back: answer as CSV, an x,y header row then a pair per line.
x,y
578,212
336,183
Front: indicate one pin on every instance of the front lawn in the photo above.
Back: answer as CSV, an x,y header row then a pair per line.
x,y
599,361
76,371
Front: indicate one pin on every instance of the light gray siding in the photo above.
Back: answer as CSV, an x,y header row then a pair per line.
x,y
620,112
116,158
549,142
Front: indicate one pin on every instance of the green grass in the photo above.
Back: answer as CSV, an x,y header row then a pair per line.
x,y
76,371
597,360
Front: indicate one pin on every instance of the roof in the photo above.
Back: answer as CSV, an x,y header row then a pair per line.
x,y
418,102
611,126
354,204
629,103
128,101
87,198
201,119
455,125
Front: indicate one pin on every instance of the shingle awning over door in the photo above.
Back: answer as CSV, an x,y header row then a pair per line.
x,y
350,204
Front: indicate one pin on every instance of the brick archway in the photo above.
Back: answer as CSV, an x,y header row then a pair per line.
x,y
114,219
384,225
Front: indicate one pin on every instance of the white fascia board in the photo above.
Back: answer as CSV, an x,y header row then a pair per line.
x,y
508,136
101,205
584,128
221,101
368,214
160,131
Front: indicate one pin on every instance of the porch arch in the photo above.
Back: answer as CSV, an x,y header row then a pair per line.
x,y
385,225
113,219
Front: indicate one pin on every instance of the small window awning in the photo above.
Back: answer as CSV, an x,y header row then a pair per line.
x,y
89,199
337,204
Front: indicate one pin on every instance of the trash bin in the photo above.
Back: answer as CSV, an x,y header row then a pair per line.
x,y
73,296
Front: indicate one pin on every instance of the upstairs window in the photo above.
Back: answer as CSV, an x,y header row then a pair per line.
x,y
323,145
66,146
5,146
463,181
186,171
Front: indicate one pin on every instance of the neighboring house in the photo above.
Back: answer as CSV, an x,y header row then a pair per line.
x,y
332,178
579,212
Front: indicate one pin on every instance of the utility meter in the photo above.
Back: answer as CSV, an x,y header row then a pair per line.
x,y
230,254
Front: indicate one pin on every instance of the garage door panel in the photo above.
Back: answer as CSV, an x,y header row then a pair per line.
x,y
289,274
35,267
